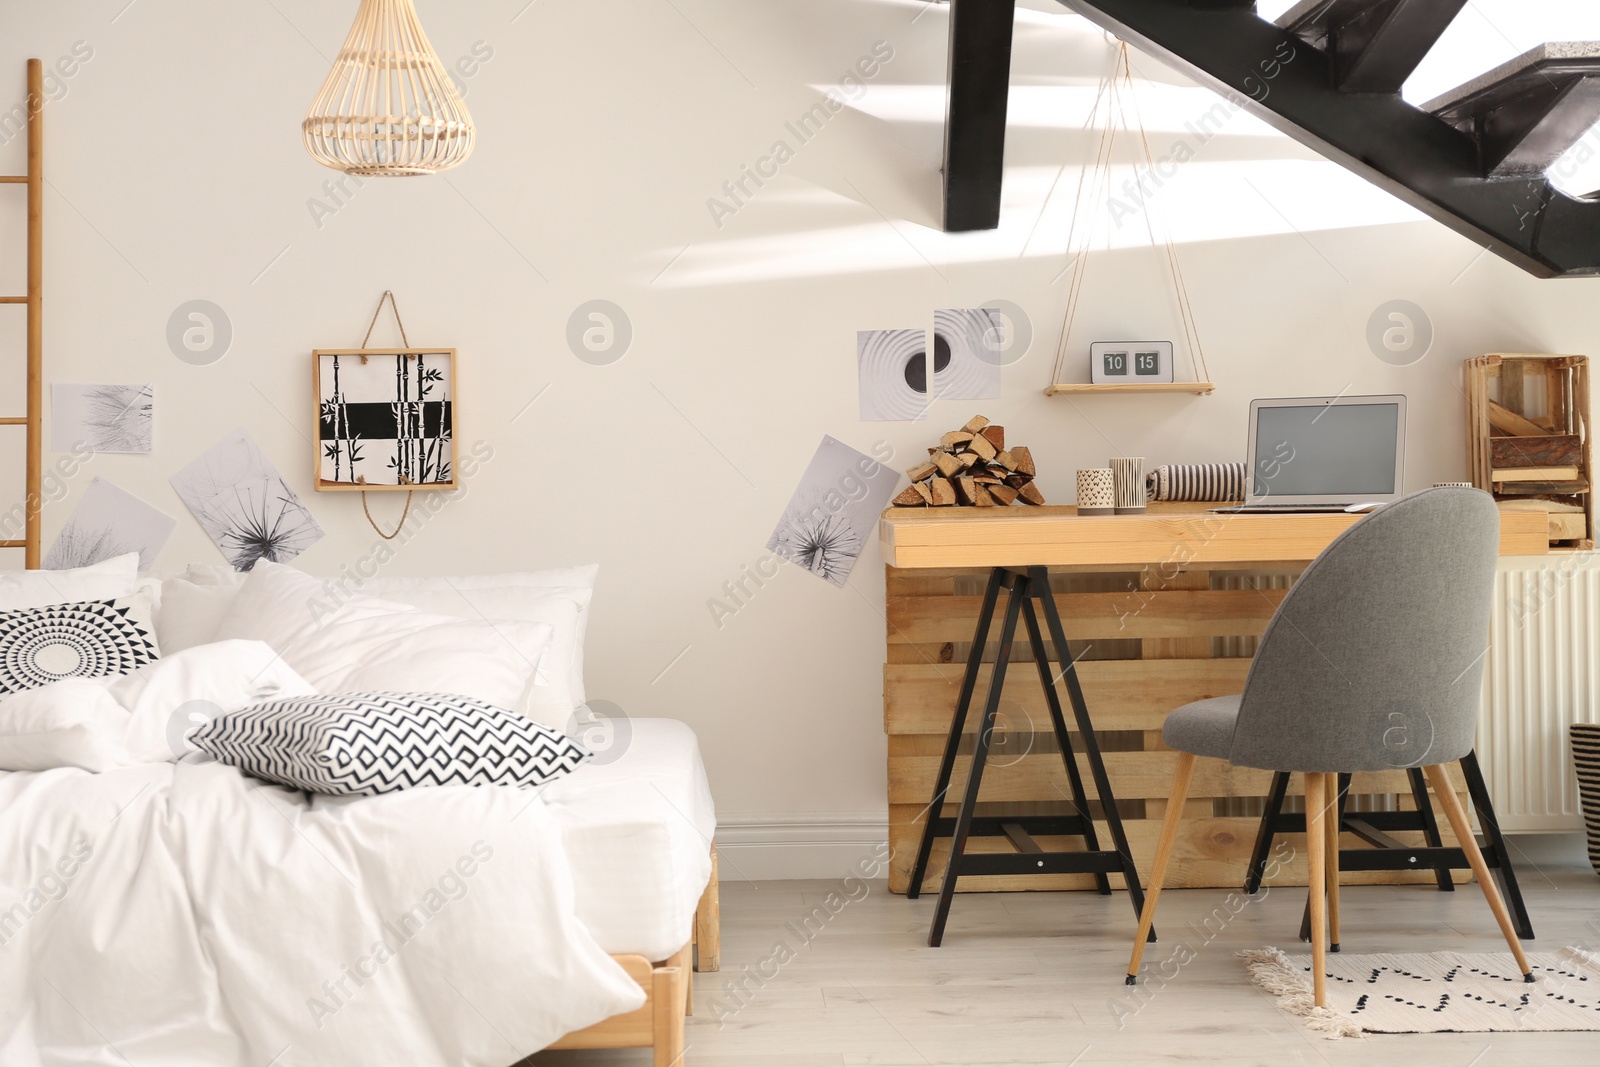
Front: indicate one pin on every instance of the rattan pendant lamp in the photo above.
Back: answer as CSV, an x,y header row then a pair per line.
x,y
388,108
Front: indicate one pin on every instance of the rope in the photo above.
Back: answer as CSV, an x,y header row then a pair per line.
x,y
1111,91
1197,354
1102,156
388,294
398,526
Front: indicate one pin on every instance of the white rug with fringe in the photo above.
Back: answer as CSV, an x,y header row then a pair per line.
x,y
1435,992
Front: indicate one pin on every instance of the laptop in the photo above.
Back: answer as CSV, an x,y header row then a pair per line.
x,y
1324,454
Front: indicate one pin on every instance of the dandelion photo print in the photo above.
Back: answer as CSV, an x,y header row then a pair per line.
x,y
102,418
385,419
833,513
109,522
243,504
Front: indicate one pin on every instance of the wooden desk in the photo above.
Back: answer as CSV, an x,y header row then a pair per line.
x,y
1171,604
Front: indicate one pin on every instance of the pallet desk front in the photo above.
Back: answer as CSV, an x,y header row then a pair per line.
x,y
1162,609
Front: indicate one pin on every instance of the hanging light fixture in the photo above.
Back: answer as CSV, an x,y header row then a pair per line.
x,y
389,107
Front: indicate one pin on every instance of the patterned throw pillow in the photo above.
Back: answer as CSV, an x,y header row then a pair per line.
x,y
91,639
362,744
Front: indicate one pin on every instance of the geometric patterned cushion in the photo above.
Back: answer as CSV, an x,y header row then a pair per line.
x,y
362,744
91,639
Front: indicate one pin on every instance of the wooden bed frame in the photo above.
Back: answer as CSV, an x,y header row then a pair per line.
x,y
668,990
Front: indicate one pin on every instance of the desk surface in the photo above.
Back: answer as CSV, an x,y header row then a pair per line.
x,y
1181,534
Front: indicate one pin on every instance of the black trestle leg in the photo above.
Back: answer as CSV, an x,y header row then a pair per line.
x,y
1430,825
980,754
1264,836
969,682
1058,723
1040,582
1494,848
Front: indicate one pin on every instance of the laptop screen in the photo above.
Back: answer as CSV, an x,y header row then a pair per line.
x,y
1325,450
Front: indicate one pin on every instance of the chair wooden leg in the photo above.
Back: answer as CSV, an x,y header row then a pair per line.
x,y
1169,834
1446,796
1316,855
1330,786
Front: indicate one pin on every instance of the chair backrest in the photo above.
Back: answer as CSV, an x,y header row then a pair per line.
x,y
1374,660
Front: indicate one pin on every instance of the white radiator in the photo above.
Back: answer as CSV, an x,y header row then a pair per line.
x,y
1542,674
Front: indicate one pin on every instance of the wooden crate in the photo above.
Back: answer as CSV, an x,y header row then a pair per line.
x,y
1156,642
1528,434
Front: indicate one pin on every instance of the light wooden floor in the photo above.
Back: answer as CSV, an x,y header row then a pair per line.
x,y
1037,978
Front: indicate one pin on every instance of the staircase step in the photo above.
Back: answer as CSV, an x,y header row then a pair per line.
x,y
1524,114
1374,45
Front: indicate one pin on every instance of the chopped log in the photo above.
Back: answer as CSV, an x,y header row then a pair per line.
x,y
944,494
921,471
1030,494
969,460
982,446
982,498
1564,450
988,479
1003,494
974,424
966,491
1565,488
955,439
913,496
1536,474
1024,460
948,465
1512,423
1006,460
996,435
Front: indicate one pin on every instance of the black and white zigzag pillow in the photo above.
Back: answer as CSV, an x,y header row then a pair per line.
x,y
90,639
362,744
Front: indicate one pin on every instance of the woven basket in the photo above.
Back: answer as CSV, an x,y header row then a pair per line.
x,y
1586,757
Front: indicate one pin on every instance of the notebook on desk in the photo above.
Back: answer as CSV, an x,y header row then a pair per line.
x,y
1324,454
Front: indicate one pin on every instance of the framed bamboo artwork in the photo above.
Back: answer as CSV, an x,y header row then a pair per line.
x,y
385,418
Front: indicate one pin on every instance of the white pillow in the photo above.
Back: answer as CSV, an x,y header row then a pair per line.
x,y
190,613
371,645
215,574
100,724
108,580
555,691
574,583
454,596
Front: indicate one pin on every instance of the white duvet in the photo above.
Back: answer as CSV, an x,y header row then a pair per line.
x,y
178,914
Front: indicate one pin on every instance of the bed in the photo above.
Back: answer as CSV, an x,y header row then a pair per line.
x,y
638,835
155,909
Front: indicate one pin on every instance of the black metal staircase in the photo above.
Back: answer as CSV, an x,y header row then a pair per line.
x,y
1328,74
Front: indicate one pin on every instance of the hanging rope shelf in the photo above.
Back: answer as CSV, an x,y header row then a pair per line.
x,y
1117,88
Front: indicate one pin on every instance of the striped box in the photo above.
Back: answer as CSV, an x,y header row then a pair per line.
x,y
1586,759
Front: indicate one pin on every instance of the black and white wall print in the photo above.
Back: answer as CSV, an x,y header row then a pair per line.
x,y
967,348
899,382
102,418
385,419
892,366
833,513
243,504
108,522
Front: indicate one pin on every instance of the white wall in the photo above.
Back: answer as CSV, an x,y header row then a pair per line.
x,y
177,173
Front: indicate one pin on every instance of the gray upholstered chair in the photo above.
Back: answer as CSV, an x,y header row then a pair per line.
x,y
1373,662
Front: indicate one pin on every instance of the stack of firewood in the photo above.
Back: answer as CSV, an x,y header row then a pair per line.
x,y
972,467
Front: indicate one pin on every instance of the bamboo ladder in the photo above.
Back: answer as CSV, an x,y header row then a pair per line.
x,y
33,420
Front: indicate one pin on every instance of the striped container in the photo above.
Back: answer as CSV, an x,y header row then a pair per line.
x,y
1586,758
